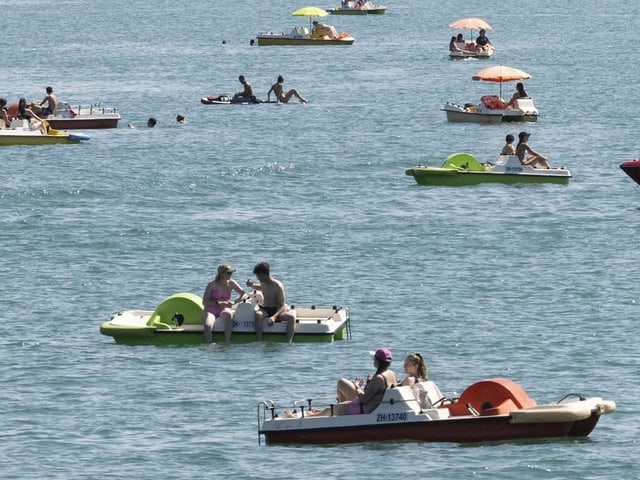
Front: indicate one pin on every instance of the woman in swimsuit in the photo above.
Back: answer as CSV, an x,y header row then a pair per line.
x,y
416,369
520,93
534,159
353,398
217,304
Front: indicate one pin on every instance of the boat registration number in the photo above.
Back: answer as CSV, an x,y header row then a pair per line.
x,y
391,417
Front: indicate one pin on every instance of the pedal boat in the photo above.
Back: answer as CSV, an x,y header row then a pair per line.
x,y
83,117
468,50
224,99
492,109
178,321
357,8
462,169
495,409
632,168
22,132
302,36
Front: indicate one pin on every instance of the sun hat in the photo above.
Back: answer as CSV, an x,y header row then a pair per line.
x,y
382,354
224,268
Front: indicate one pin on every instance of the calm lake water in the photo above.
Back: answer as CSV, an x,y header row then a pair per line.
x,y
533,283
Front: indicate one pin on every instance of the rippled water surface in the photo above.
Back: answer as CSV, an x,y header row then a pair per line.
x,y
534,283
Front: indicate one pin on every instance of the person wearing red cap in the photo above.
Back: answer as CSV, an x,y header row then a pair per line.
x,y
355,399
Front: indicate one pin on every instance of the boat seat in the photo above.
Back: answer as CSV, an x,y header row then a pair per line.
x,y
21,123
402,395
427,394
300,32
493,102
509,161
526,105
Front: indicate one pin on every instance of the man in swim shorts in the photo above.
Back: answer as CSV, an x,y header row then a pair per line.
x,y
273,307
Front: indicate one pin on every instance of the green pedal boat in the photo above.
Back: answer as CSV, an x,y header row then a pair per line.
x,y
462,169
178,321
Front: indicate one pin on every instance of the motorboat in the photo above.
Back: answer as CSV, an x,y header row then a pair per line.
x,y
494,409
632,168
492,109
302,36
350,7
462,169
177,320
22,132
224,99
68,117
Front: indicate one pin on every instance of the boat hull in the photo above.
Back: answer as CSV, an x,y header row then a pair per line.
x,y
486,117
357,11
458,430
465,55
275,39
83,123
435,176
632,168
9,140
159,327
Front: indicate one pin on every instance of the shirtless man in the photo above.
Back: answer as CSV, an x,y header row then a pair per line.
x,y
322,29
278,89
49,103
274,305
246,93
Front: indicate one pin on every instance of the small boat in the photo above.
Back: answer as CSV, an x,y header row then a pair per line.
x,y
492,109
462,169
467,50
495,409
22,132
302,36
230,100
632,168
178,321
69,117
350,7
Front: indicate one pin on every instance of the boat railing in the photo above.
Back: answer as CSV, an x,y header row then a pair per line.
x,y
92,109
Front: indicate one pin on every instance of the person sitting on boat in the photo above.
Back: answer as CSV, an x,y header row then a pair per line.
x,y
352,398
453,47
49,104
508,148
274,306
520,93
534,159
278,89
217,304
457,44
25,112
416,369
246,95
4,116
482,42
321,30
